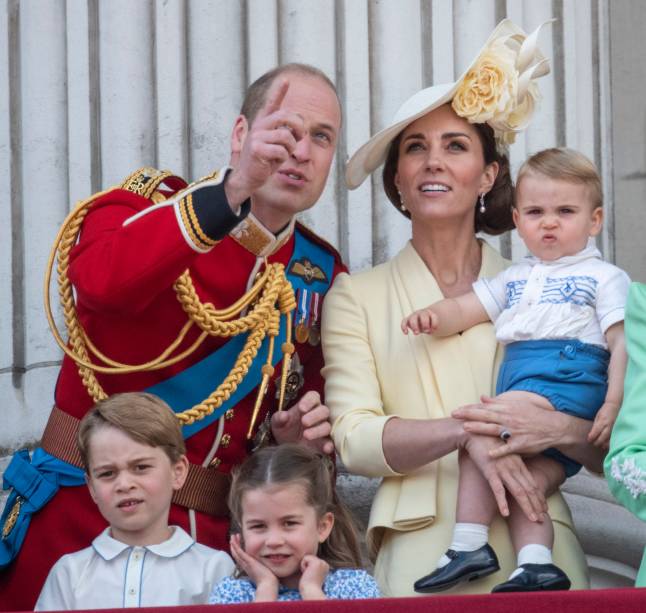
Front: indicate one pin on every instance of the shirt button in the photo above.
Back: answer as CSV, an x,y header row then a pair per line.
x,y
132,591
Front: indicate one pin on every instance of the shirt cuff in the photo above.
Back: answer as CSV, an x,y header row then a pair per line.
x,y
484,294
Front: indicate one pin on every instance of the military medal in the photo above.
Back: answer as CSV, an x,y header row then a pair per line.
x,y
302,330
315,329
302,333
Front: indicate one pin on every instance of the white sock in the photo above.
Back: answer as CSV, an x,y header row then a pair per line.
x,y
466,537
532,554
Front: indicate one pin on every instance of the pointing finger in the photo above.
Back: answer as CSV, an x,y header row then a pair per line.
x,y
275,98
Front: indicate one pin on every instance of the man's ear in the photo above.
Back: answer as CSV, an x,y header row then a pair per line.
x,y
239,134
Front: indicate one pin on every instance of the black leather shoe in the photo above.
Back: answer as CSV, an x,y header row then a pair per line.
x,y
464,566
534,578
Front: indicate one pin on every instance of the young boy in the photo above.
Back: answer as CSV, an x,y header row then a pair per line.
x,y
133,453
560,314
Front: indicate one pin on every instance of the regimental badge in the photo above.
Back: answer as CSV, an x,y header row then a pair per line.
x,y
263,435
307,271
12,518
294,383
306,321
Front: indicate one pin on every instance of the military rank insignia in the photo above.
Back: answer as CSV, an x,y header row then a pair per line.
x,y
307,271
307,328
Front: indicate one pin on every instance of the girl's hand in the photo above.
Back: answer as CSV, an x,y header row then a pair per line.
x,y
266,582
314,572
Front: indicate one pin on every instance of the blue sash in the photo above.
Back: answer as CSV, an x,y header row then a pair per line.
x,y
35,481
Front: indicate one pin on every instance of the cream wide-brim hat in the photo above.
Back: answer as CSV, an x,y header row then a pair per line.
x,y
530,64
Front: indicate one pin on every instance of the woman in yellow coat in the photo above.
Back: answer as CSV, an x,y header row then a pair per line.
x,y
391,395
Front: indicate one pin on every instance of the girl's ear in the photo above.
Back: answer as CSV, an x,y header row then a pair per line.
x,y
179,472
325,525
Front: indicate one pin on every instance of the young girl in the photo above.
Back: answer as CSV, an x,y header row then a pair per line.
x,y
293,538
560,315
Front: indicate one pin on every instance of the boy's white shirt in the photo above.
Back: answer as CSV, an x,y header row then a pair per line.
x,y
110,574
530,318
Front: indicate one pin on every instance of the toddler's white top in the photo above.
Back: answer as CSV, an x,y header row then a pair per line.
x,y
577,296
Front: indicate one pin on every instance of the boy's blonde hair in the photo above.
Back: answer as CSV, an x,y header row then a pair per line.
x,y
145,418
568,165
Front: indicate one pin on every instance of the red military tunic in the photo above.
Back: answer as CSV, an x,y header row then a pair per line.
x,y
123,275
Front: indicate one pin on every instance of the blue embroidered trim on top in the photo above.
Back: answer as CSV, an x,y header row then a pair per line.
x,y
580,290
515,290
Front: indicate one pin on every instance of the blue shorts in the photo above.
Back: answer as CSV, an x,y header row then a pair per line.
x,y
572,375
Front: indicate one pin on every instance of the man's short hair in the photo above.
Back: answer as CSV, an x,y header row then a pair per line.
x,y
145,418
563,164
256,94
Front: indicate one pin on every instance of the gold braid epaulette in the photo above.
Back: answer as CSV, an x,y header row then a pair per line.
x,y
271,295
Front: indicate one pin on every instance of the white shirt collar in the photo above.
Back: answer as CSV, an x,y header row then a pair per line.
x,y
109,548
590,251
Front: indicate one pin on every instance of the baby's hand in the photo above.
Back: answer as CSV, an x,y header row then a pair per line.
x,y
424,320
314,570
599,435
266,582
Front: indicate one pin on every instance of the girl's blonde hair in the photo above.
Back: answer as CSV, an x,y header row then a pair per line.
x,y
291,463
563,164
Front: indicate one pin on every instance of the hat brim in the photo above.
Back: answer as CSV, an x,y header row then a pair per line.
x,y
373,153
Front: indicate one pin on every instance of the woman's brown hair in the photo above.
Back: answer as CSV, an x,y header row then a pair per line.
x,y
291,463
499,202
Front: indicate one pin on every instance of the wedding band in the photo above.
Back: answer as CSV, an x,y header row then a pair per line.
x,y
505,435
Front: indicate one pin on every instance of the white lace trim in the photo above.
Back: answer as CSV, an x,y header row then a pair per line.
x,y
630,475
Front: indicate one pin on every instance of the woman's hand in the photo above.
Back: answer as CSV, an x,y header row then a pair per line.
x,y
314,572
533,429
504,474
266,582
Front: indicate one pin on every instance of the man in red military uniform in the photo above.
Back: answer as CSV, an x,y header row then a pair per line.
x,y
135,242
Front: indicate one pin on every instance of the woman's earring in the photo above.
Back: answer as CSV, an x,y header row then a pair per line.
x,y
402,206
483,208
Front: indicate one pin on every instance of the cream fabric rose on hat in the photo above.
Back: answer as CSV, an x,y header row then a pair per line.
x,y
499,88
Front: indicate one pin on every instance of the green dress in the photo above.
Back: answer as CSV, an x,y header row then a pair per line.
x,y
625,464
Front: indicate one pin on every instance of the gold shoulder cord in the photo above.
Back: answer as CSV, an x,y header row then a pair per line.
x,y
271,295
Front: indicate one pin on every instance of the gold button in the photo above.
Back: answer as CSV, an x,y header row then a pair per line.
x,y
225,440
228,414
215,462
